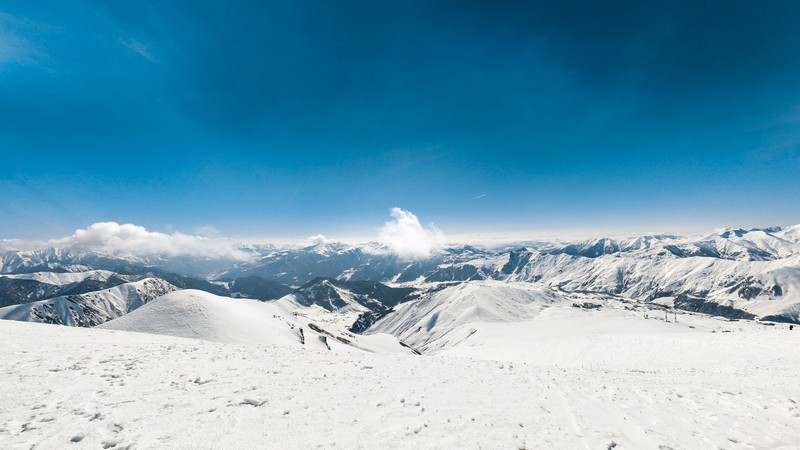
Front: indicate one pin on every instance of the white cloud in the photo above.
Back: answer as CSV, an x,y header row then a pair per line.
x,y
408,238
17,245
129,239
318,239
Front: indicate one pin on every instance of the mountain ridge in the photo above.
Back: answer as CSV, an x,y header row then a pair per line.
x,y
735,272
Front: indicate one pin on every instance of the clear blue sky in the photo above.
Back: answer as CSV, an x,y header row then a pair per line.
x,y
301,117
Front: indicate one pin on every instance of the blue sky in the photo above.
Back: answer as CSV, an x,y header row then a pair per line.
x,y
288,119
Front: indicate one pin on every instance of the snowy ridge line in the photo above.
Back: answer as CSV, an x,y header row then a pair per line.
x,y
201,315
90,309
734,273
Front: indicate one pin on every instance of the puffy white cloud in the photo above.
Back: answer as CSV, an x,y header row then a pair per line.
x,y
318,239
406,237
129,239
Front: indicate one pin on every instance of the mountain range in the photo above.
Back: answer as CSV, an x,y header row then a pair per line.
x,y
590,344
733,273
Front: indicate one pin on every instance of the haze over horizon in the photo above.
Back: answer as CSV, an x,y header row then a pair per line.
x,y
267,121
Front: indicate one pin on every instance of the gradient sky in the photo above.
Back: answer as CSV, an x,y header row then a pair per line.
x,y
268,119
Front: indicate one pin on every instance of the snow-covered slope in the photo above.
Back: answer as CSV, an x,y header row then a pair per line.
x,y
518,322
90,309
760,288
30,287
95,388
443,318
61,260
61,278
197,314
613,336
348,304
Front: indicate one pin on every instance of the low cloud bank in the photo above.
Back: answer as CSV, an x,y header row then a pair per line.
x,y
407,238
129,239
403,235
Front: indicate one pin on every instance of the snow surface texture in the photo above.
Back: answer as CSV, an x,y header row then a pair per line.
x,y
98,388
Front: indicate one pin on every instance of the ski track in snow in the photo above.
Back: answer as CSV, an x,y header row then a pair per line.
x,y
66,387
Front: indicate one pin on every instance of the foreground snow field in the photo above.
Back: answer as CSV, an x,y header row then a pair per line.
x,y
63,387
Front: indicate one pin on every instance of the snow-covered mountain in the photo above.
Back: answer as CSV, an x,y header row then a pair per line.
x,y
442,318
736,273
257,288
63,260
353,304
593,344
92,308
72,260
197,314
70,298
30,287
732,283
365,262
